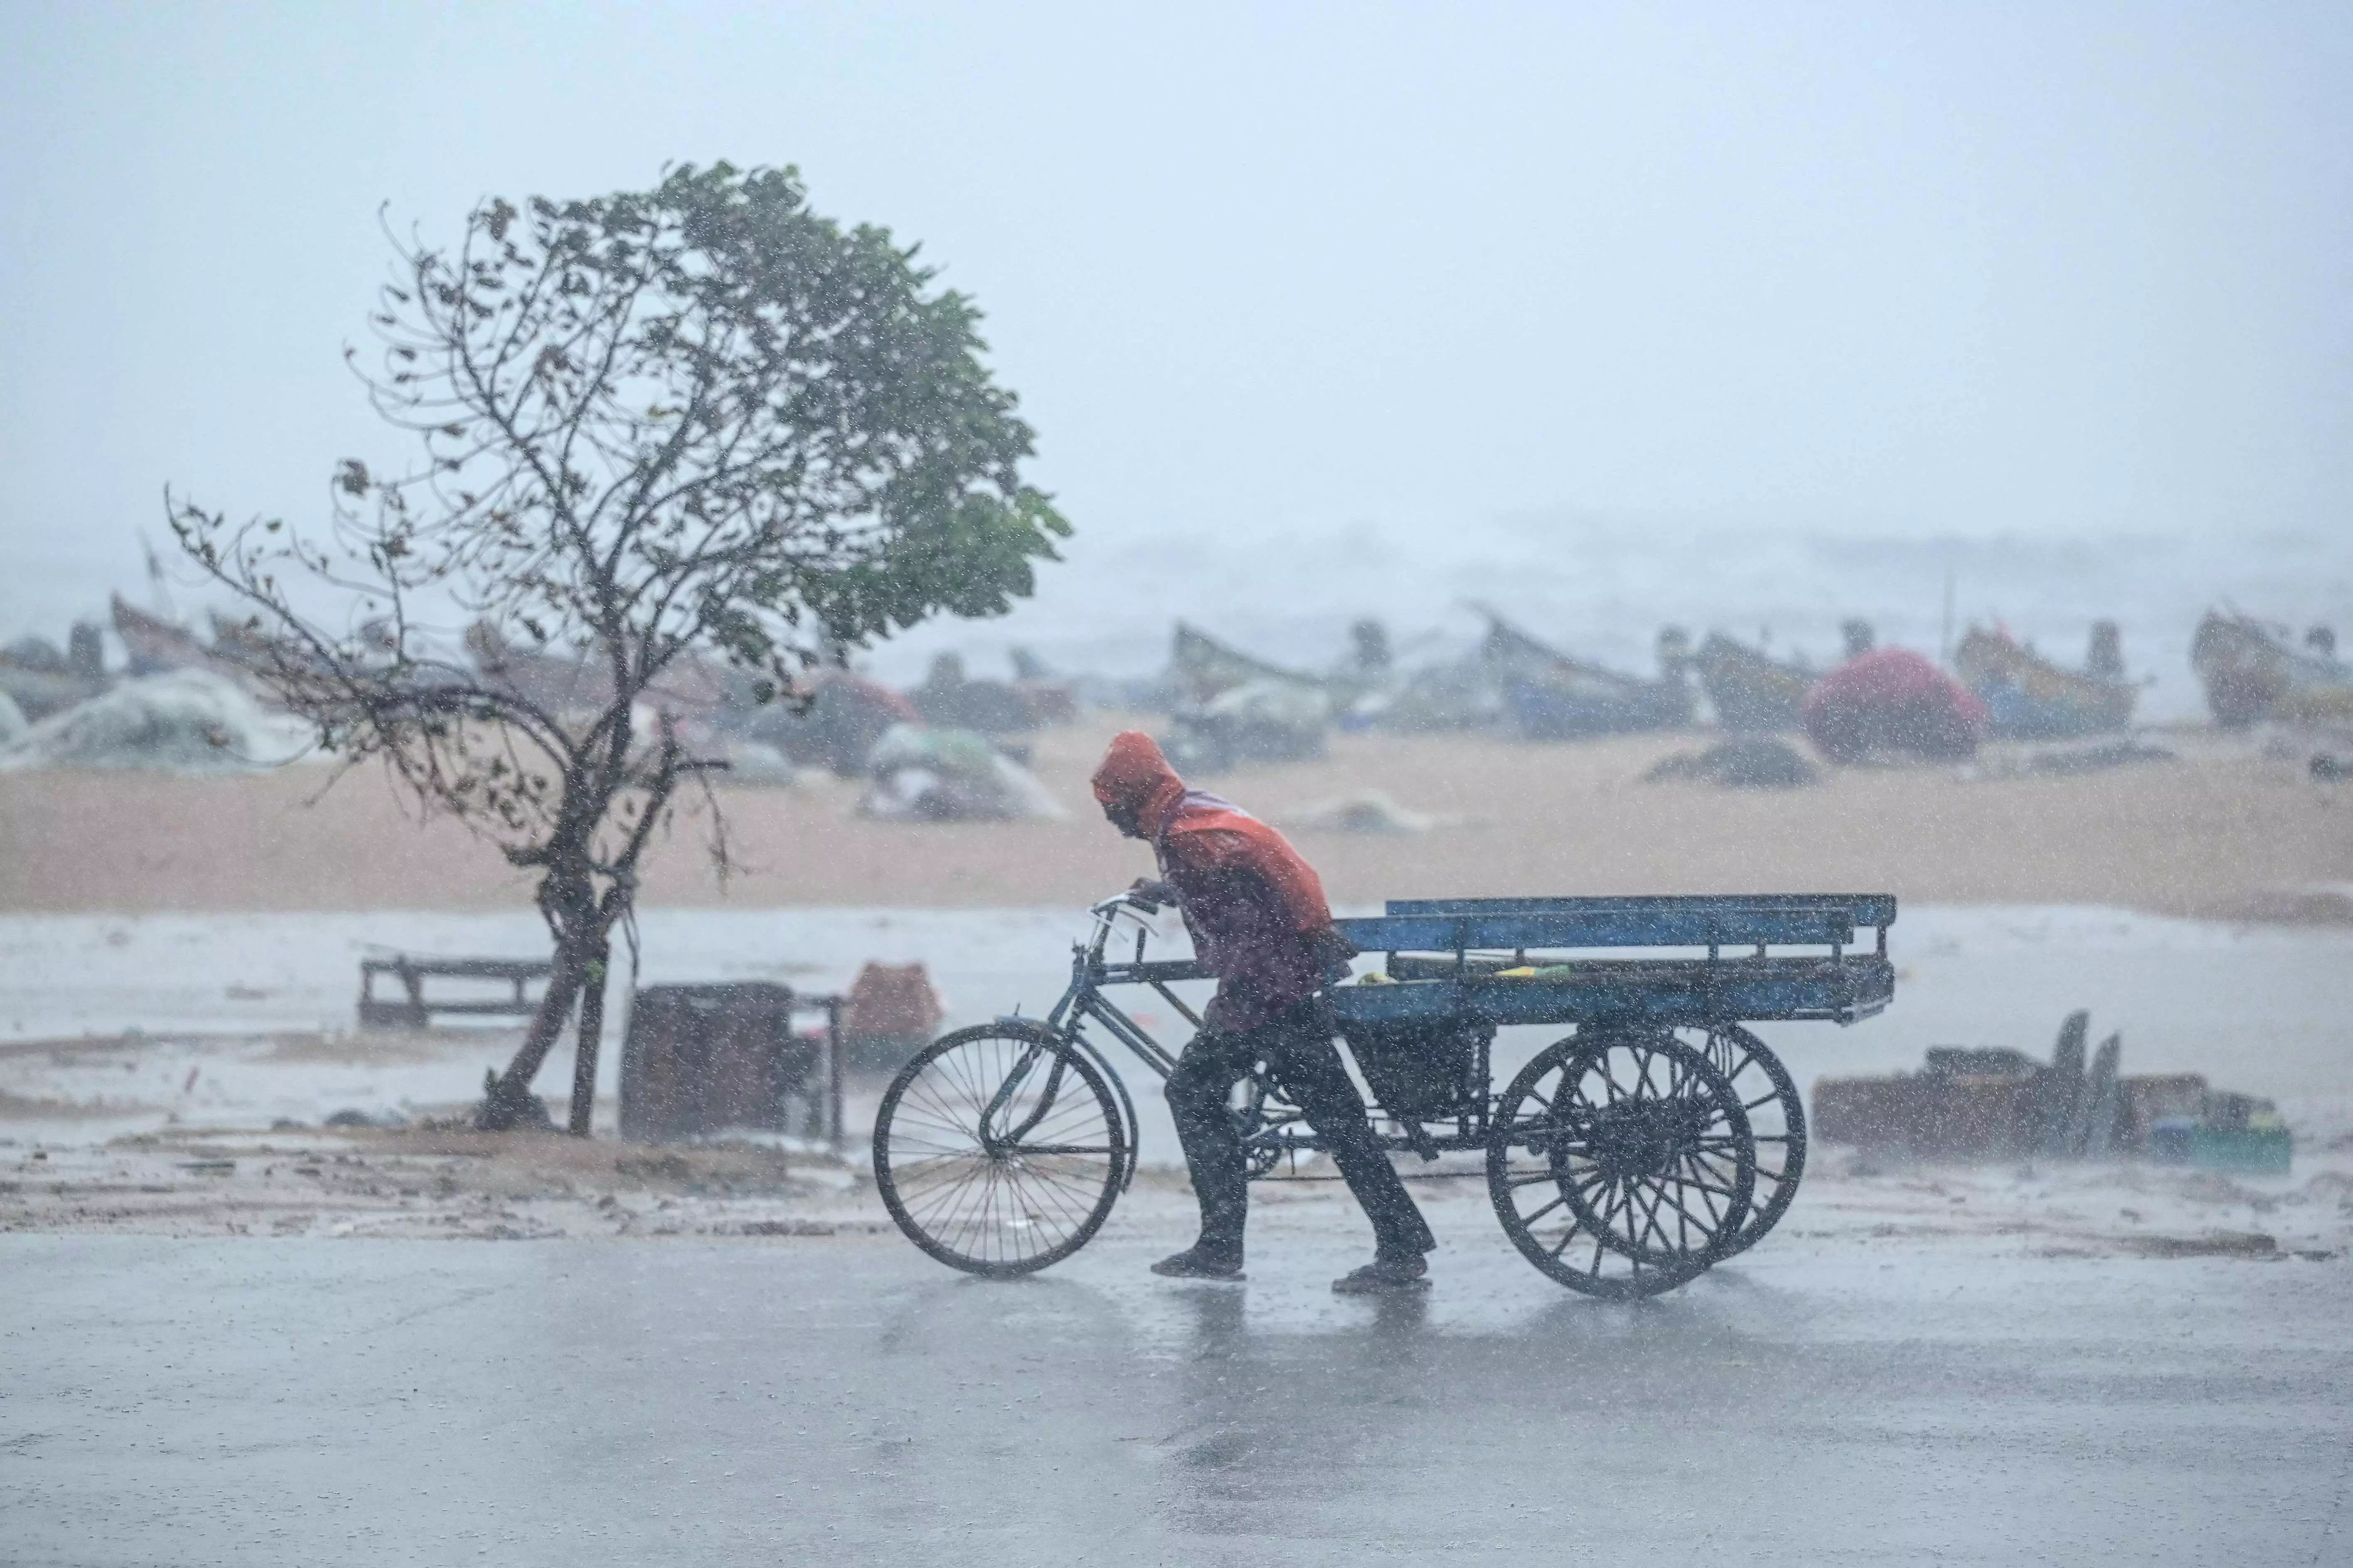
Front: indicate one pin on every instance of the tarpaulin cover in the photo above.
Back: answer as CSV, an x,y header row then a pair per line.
x,y
1891,699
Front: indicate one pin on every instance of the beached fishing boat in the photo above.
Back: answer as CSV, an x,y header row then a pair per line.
x,y
1201,667
1230,707
154,644
2253,670
1750,691
2032,698
1552,697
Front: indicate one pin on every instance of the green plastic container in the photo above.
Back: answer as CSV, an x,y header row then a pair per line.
x,y
2257,1151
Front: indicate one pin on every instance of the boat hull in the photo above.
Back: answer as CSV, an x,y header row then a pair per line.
x,y
1552,697
1547,711
2028,698
1750,692
2252,672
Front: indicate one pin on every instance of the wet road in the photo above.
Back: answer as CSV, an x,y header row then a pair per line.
x,y
844,1400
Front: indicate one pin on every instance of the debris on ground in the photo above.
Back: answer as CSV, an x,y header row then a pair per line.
x,y
447,1182
186,722
2066,762
429,1182
950,776
2096,759
1995,1103
1751,763
1366,811
384,1121
2213,1243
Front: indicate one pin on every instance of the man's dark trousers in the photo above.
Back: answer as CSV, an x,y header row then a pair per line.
x,y
1297,1046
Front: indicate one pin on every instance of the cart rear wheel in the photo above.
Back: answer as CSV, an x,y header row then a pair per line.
x,y
1777,1121
1620,1162
999,1150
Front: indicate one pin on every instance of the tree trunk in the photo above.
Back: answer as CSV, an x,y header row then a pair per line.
x,y
591,1035
507,1100
567,901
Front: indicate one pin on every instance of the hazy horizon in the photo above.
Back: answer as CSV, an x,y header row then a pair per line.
x,y
1877,274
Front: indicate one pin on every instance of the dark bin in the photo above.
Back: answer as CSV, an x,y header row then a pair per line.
x,y
701,1058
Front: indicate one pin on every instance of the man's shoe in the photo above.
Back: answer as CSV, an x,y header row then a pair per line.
x,y
1408,1272
1195,1264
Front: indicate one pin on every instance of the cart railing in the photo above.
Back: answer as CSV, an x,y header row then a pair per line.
x,y
1713,921
1431,945
1445,957
1863,908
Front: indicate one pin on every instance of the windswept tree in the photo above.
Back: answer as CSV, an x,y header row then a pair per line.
x,y
660,432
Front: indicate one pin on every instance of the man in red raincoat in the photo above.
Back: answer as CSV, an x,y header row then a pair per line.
x,y
1260,923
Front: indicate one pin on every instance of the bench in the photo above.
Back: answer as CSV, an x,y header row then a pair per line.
x,y
415,1008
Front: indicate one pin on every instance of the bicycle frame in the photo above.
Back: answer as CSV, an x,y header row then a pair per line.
x,y
1090,972
1272,1130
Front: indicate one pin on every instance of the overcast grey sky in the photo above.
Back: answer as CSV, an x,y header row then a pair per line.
x,y
1959,268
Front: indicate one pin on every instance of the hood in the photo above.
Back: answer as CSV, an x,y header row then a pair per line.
x,y
1136,776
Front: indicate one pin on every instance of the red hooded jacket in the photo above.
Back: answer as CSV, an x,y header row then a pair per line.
x,y
1256,911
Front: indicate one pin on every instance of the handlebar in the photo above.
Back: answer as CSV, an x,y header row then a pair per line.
x,y
1107,914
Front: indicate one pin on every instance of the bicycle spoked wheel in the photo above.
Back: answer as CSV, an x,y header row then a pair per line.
x,y
999,1150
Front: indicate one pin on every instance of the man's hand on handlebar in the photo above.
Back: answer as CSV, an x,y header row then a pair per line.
x,y
1151,896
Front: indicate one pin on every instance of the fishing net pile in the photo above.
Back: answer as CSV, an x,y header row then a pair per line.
x,y
186,721
950,776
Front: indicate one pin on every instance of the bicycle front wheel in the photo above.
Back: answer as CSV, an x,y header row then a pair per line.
x,y
999,1150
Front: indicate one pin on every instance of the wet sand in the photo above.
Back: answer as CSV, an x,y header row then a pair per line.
x,y
2225,831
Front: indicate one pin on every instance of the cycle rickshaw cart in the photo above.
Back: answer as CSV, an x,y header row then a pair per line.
x,y
1658,1137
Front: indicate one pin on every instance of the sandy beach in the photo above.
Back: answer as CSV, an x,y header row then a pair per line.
x,y
2224,830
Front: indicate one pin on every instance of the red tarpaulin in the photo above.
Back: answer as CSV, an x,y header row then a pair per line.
x,y
1892,700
